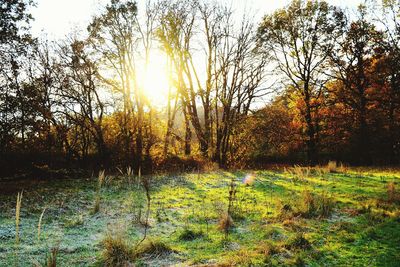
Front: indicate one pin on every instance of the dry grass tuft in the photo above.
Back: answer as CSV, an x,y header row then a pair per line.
x,y
100,180
153,248
17,216
320,171
225,223
316,205
298,242
392,194
117,251
242,257
332,166
268,248
308,205
335,167
189,234
298,173
127,175
52,259
40,224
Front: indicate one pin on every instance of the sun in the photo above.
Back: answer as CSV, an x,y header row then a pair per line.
x,y
156,79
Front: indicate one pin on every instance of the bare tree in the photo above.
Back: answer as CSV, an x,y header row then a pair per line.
x,y
240,73
124,45
80,93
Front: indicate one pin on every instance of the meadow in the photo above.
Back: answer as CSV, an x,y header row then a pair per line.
x,y
298,216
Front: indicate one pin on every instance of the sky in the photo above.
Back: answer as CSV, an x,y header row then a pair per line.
x,y
57,18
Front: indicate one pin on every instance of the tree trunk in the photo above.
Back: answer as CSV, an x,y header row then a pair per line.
x,y
188,134
139,138
311,142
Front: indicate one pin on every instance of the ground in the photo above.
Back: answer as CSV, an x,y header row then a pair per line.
x,y
298,217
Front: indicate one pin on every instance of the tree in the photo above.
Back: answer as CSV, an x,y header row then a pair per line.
x,y
388,70
232,74
14,21
124,45
239,77
300,38
80,92
15,43
176,32
269,134
353,60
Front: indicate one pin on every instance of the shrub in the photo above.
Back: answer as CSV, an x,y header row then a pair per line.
x,y
175,164
268,250
285,211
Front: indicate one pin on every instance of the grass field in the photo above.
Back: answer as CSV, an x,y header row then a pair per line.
x,y
293,217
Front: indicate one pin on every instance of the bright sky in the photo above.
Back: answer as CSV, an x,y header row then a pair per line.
x,y
58,17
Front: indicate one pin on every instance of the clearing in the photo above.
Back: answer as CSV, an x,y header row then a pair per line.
x,y
299,216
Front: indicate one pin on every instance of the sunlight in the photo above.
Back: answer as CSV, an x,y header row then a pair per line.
x,y
156,80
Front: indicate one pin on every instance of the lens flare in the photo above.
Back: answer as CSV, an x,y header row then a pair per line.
x,y
249,179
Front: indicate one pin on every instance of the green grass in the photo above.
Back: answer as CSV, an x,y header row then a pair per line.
x,y
273,226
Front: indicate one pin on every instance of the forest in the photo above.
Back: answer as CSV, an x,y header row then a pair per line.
x,y
330,80
190,133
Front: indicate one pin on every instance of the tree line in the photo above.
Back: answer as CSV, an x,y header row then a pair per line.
x,y
330,76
